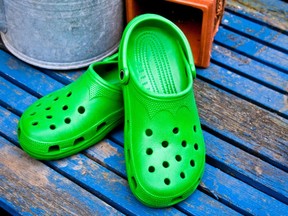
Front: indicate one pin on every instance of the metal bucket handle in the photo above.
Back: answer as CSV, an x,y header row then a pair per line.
x,y
3,26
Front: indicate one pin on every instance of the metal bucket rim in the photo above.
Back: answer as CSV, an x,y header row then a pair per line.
x,y
54,65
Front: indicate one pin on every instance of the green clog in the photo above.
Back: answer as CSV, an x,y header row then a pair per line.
x,y
163,140
75,117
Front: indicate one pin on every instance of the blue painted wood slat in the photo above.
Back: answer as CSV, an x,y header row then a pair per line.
x,y
25,76
265,12
22,106
243,124
252,49
90,175
263,33
245,167
31,188
113,156
254,70
246,88
241,97
12,96
248,168
64,77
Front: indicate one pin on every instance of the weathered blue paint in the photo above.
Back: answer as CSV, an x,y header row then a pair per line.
x,y
252,69
8,207
105,184
64,77
52,186
244,173
262,33
239,195
247,167
8,122
257,140
265,12
200,203
252,49
115,162
246,88
238,163
12,96
95,178
26,76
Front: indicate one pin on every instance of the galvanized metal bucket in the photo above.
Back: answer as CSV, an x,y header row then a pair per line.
x,y
61,34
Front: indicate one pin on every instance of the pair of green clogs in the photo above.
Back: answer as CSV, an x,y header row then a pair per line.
x,y
164,146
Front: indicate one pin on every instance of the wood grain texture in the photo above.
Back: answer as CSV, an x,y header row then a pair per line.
x,y
11,96
243,105
238,163
197,204
90,175
269,12
30,187
64,77
246,88
239,195
245,67
256,31
222,96
223,189
255,130
107,185
23,75
253,49
248,168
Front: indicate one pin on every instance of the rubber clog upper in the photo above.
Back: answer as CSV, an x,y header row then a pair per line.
x,y
75,117
163,140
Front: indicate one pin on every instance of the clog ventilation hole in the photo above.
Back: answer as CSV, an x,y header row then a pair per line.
x,y
177,159
67,120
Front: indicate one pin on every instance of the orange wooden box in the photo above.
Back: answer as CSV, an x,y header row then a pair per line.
x,y
198,19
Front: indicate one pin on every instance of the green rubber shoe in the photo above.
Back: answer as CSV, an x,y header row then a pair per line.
x,y
164,145
75,117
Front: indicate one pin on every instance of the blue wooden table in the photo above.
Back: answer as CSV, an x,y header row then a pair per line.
x,y
243,104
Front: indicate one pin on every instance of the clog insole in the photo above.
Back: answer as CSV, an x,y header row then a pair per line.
x,y
111,76
157,61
